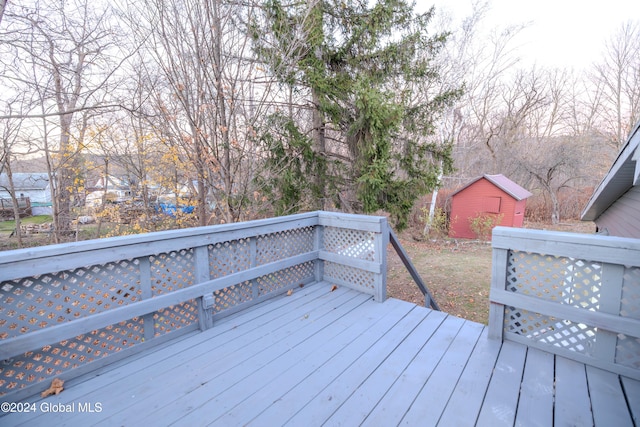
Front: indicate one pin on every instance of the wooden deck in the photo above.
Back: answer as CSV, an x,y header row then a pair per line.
x,y
319,357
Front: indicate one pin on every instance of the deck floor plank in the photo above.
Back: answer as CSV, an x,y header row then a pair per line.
x,y
437,389
194,384
325,403
535,407
367,396
241,407
632,393
339,358
572,402
473,383
285,405
392,407
328,357
501,401
607,398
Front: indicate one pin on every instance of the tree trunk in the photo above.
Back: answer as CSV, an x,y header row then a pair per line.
x,y
14,201
232,212
315,37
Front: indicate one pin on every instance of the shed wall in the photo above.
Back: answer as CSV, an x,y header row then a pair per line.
x,y
623,217
473,200
518,213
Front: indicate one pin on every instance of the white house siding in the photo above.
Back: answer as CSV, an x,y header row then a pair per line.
x,y
35,186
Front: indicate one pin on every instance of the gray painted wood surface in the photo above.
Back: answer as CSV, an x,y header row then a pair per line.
x,y
339,358
103,299
568,293
621,218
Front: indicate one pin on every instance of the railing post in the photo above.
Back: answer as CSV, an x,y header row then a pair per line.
x,y
610,296
317,246
145,287
380,248
202,275
499,264
253,262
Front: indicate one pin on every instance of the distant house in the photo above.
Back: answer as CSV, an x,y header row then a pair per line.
x,y
615,203
35,186
488,194
32,185
117,189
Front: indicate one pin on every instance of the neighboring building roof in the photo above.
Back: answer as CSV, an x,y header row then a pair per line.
x,y
113,183
25,181
503,183
624,174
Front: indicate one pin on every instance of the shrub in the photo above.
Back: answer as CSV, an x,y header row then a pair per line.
x,y
438,226
483,223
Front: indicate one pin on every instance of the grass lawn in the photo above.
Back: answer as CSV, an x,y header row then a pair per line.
x,y
8,226
458,276
456,271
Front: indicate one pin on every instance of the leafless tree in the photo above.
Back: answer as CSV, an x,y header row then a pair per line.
x,y
204,94
9,137
69,47
616,80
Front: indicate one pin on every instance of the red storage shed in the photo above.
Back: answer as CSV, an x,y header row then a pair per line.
x,y
488,194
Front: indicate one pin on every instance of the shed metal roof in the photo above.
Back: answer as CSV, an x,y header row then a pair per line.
x,y
624,174
26,181
502,182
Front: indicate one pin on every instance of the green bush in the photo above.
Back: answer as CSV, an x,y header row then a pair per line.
x,y
438,226
483,223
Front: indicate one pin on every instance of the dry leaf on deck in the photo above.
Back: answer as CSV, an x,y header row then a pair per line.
x,y
56,387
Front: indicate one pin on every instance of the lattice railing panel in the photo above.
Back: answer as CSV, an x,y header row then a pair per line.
x,y
628,347
229,257
235,295
169,272
41,301
562,280
575,295
628,351
354,276
630,301
550,330
554,278
276,246
295,275
232,296
53,360
175,317
352,243
172,271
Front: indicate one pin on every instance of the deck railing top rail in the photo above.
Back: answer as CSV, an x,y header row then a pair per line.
x,y
576,295
71,308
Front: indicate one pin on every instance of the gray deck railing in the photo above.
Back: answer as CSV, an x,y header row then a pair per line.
x,y
69,309
429,301
575,295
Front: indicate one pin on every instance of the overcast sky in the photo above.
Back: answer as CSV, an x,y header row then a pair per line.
x,y
562,33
